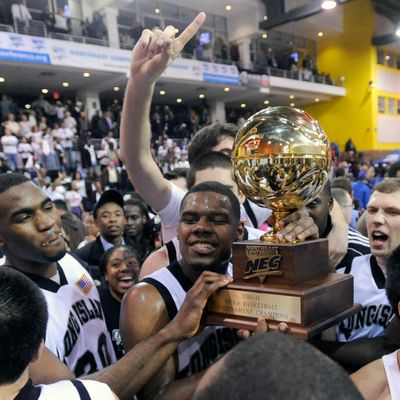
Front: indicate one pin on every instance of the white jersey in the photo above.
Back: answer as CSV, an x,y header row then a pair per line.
x,y
76,331
369,291
66,390
199,352
392,371
169,215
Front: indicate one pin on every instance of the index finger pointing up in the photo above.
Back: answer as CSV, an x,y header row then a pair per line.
x,y
190,30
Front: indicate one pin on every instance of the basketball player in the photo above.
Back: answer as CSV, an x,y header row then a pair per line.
x,y
30,234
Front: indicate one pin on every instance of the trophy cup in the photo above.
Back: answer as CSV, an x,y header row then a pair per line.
x,y
281,160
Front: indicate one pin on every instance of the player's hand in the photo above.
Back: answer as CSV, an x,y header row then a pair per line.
x,y
298,226
262,327
338,236
155,50
187,321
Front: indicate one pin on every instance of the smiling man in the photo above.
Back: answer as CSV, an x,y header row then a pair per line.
x,y
209,223
369,271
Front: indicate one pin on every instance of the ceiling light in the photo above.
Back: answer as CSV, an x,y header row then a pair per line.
x,y
86,74
65,84
292,104
179,100
27,106
387,58
266,102
264,35
291,97
157,11
201,96
398,31
162,92
265,17
317,100
45,91
226,89
243,105
320,34
328,4
2,80
116,88
228,7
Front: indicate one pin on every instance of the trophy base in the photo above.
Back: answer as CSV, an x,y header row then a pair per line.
x,y
308,309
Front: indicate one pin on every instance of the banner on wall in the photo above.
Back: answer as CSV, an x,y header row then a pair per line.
x,y
22,48
254,80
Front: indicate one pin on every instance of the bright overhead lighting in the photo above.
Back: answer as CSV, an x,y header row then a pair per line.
x,y
243,105
328,4
162,92
320,34
265,17
264,35
387,58
28,106
291,97
201,96
226,89
317,100
179,100
292,104
116,88
228,7
45,91
65,84
86,74
157,11
2,80
398,31
266,102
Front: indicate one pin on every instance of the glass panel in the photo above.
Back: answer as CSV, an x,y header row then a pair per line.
x,y
381,104
126,18
36,4
391,106
169,10
151,22
389,58
381,56
187,14
220,23
148,6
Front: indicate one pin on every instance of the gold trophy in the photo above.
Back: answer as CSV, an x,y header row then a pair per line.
x,y
281,160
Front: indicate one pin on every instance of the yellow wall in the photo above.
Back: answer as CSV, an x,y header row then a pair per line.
x,y
350,54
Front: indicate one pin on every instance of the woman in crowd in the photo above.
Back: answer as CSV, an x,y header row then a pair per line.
x,y
120,267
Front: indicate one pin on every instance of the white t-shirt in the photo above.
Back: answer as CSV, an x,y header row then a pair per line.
x,y
10,144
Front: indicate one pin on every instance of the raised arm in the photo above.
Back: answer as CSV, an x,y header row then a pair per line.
x,y
150,57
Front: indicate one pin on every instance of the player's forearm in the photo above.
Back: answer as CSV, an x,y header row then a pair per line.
x,y
135,134
128,375
182,389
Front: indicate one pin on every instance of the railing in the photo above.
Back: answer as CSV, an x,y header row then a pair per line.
x,y
78,39
6,28
32,28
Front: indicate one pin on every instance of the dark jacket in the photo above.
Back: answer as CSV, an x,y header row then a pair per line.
x,y
91,253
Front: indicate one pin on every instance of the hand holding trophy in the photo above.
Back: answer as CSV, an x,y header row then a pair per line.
x,y
281,160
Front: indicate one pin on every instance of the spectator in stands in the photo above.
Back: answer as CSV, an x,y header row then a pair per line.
x,y
60,22
7,106
24,125
98,28
70,122
109,216
394,170
91,229
20,13
74,199
25,152
9,143
12,125
345,202
119,266
137,221
47,18
361,190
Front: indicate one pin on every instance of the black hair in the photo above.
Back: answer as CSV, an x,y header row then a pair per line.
x,y
217,187
23,320
343,183
392,173
208,137
138,203
275,366
176,173
7,180
60,204
211,159
393,280
107,255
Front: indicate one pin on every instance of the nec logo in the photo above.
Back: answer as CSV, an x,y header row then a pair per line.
x,y
262,267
